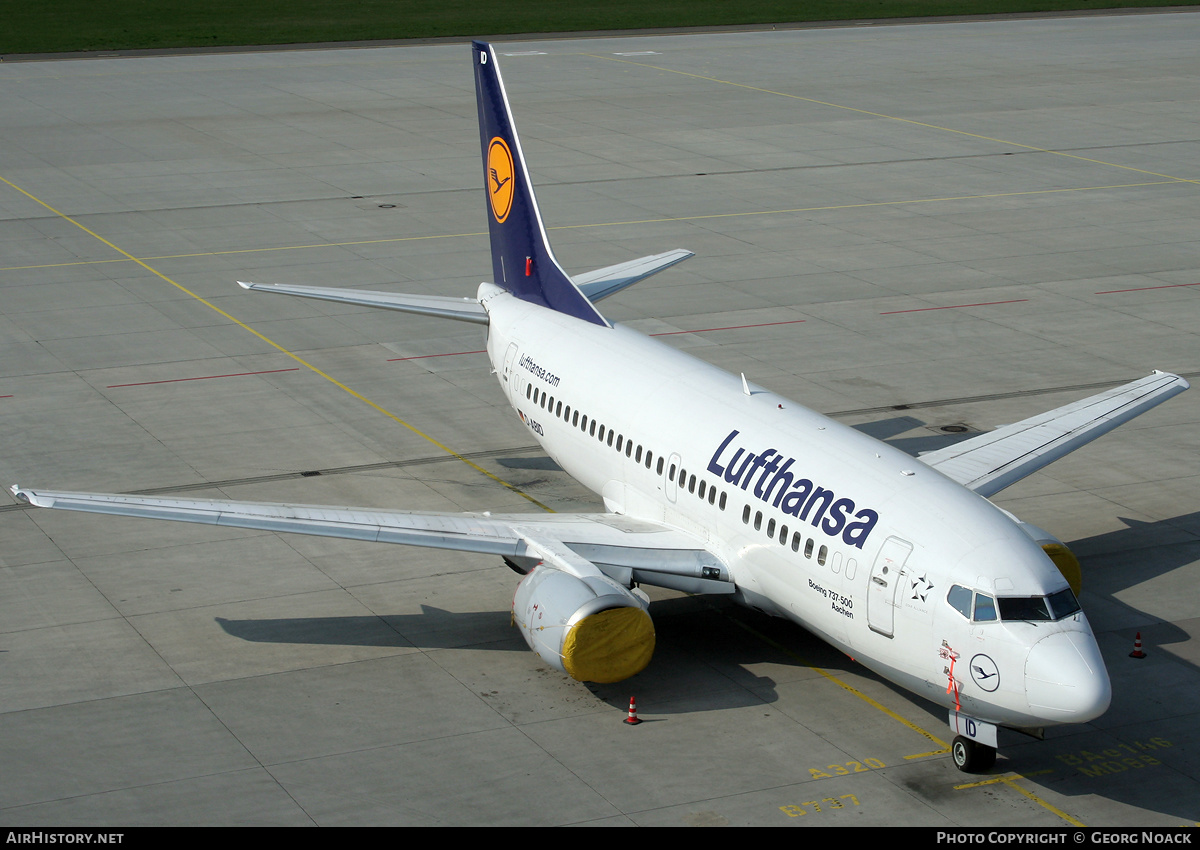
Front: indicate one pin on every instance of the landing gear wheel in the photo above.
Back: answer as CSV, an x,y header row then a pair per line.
x,y
972,757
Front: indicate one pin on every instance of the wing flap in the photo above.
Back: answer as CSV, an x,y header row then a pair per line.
x,y
441,306
990,462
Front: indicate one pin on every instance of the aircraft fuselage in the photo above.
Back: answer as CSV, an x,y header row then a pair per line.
x,y
843,534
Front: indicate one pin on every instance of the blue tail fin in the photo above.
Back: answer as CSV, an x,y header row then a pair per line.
x,y
521,257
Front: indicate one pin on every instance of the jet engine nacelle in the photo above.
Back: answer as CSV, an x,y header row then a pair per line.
x,y
1062,556
592,629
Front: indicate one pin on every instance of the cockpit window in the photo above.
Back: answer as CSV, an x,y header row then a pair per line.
x,y
1039,608
985,608
1029,608
1024,608
960,600
1063,603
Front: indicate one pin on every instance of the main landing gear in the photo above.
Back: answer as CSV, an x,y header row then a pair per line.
x,y
971,756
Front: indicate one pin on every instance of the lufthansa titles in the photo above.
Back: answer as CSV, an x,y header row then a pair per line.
x,y
770,477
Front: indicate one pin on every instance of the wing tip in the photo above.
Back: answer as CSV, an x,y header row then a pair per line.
x,y
1183,382
25,496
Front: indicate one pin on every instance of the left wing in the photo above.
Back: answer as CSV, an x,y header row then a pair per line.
x,y
624,549
990,462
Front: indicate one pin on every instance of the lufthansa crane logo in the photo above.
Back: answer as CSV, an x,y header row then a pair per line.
x,y
500,178
985,673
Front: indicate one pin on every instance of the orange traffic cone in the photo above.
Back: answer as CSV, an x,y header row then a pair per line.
x,y
1137,647
632,719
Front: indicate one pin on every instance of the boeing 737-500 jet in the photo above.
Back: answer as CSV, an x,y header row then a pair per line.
x,y
715,486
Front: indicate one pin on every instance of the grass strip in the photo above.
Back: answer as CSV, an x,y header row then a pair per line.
x,y
85,25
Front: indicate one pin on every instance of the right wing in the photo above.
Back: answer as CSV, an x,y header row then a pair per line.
x,y
624,549
990,462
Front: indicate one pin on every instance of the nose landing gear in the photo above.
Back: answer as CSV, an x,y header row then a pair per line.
x,y
974,746
971,756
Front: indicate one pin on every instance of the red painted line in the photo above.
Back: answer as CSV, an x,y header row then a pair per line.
x,y
201,378
731,328
423,356
1140,288
954,307
5,396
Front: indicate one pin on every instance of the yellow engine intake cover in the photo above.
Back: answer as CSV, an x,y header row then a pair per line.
x,y
1067,564
609,646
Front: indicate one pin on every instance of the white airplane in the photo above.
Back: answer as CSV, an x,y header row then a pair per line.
x,y
714,486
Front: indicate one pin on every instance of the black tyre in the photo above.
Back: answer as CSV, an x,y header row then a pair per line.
x,y
972,757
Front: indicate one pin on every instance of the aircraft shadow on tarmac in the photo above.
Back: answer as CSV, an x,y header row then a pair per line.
x,y
889,431
433,628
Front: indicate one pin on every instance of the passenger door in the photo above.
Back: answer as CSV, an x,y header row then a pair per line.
x,y
884,585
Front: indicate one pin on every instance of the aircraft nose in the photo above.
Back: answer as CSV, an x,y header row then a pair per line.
x,y
1065,678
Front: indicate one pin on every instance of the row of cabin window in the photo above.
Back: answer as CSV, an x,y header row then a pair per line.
x,y
698,489
591,427
574,419
809,545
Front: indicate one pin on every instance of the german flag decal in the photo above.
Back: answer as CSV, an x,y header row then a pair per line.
x,y
500,178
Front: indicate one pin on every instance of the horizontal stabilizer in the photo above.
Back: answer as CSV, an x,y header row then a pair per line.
x,y
990,462
462,309
609,281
